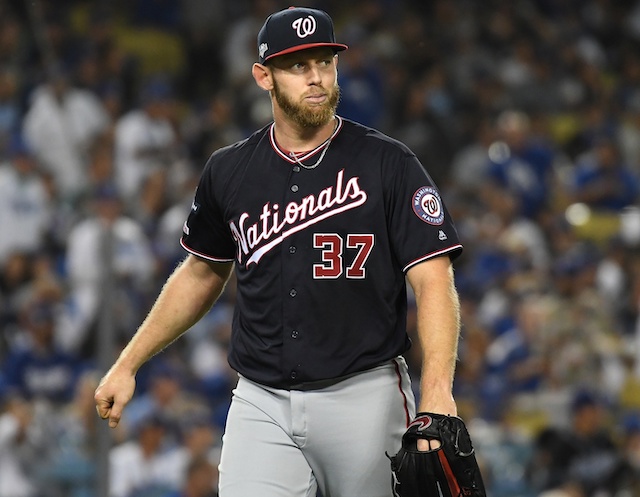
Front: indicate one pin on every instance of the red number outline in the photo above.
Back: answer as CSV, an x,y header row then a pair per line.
x,y
332,246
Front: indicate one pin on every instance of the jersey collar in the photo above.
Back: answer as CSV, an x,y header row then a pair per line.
x,y
307,155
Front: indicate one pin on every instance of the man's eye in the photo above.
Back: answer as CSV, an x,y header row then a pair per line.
x,y
298,66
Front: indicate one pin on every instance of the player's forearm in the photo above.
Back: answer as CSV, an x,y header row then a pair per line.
x,y
185,298
439,342
438,331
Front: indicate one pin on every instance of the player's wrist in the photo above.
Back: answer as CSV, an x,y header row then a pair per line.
x,y
125,365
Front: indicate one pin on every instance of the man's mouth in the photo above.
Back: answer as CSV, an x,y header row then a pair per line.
x,y
316,99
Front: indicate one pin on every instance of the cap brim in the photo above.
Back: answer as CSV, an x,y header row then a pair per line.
x,y
336,46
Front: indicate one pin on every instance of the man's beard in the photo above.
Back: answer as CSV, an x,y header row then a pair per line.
x,y
308,116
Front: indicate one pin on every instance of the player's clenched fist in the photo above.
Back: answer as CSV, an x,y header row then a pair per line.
x,y
113,393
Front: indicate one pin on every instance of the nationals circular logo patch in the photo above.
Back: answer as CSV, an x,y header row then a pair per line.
x,y
428,206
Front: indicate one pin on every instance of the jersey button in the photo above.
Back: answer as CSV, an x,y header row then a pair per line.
x,y
294,188
296,169
293,375
292,249
293,292
294,334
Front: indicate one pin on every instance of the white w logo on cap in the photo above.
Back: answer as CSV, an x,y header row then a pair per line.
x,y
304,26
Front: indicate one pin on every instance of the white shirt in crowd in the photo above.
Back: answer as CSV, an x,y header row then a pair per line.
x,y
130,470
60,133
13,480
135,132
24,211
133,260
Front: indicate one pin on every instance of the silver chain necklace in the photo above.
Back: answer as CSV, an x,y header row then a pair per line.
x,y
317,163
324,151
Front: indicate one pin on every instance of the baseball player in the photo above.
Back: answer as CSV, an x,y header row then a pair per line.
x,y
323,221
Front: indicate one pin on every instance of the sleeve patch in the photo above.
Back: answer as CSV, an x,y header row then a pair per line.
x,y
427,205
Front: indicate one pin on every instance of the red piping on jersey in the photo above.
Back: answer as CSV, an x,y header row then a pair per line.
x,y
404,397
431,256
307,155
204,256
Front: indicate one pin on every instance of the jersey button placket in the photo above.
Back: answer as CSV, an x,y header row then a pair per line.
x,y
293,347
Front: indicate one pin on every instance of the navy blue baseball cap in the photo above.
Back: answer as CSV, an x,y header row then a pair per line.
x,y
293,29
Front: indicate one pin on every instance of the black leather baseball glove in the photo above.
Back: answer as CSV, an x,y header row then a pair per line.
x,y
448,471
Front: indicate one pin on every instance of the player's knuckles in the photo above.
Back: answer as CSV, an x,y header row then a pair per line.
x,y
102,412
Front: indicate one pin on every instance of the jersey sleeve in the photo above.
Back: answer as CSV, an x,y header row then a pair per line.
x,y
419,223
205,232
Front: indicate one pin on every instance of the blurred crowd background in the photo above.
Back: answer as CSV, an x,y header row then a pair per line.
x,y
525,112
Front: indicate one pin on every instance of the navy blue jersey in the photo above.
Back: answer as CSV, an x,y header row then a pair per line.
x,y
320,252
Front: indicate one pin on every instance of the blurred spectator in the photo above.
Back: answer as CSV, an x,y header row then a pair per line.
x,y
61,125
239,48
517,235
201,480
207,343
627,478
9,109
503,450
203,25
15,44
470,163
602,180
581,327
628,138
145,139
169,229
199,438
614,281
25,206
539,89
628,99
584,454
70,470
36,367
199,456
522,162
133,268
25,278
516,358
361,85
15,276
15,417
211,126
119,69
423,131
167,394
145,466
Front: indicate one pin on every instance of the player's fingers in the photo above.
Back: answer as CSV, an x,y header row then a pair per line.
x,y
115,414
103,408
426,444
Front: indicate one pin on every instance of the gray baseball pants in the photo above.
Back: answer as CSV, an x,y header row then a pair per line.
x,y
330,435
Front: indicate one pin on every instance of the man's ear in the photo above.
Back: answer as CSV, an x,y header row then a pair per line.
x,y
262,75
